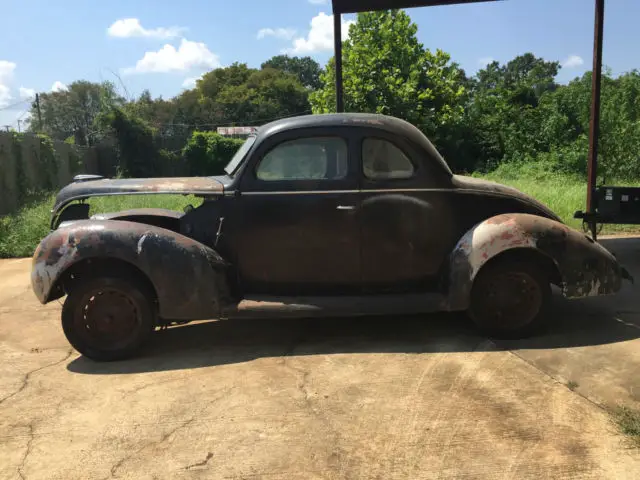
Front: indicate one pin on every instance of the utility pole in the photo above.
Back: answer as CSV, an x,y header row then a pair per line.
x,y
7,127
39,114
19,125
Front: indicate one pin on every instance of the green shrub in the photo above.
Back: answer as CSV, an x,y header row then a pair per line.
x,y
48,161
21,176
207,153
138,153
75,162
171,164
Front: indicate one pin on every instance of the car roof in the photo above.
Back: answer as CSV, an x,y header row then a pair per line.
x,y
393,125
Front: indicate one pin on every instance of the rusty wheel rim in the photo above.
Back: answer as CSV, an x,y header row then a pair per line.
x,y
510,299
108,319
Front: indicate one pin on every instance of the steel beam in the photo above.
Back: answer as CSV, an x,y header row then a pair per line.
x,y
594,122
337,40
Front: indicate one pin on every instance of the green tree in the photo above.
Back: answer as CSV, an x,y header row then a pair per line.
x,y
305,69
207,153
503,118
620,126
156,112
191,110
137,151
387,71
238,94
72,112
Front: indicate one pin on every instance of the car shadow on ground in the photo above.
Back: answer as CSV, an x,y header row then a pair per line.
x,y
576,323
204,344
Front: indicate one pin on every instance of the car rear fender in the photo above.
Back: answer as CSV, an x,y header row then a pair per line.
x,y
581,266
188,277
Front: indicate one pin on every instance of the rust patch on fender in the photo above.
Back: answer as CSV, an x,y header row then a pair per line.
x,y
188,277
500,219
585,268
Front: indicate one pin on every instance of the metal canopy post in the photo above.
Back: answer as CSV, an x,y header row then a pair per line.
x,y
594,123
337,40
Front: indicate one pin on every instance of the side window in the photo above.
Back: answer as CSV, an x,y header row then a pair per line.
x,y
314,158
382,160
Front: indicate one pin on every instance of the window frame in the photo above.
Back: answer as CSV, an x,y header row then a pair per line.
x,y
250,184
280,144
394,144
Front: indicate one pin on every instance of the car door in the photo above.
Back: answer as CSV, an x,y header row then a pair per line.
x,y
296,227
405,216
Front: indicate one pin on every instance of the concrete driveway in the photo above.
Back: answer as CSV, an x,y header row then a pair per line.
x,y
393,397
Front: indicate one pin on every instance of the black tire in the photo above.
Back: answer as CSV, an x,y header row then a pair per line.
x,y
108,318
510,298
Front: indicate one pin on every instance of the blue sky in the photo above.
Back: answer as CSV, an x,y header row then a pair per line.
x,y
162,44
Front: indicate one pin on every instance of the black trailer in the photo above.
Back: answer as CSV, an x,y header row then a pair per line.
x,y
606,204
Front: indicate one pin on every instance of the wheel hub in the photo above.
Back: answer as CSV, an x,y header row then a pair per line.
x,y
109,318
512,298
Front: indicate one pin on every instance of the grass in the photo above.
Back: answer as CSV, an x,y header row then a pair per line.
x,y
628,421
564,194
571,385
20,232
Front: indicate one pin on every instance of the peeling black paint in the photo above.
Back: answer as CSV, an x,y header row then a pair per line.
x,y
188,277
585,268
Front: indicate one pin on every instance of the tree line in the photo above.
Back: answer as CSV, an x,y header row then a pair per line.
x,y
506,114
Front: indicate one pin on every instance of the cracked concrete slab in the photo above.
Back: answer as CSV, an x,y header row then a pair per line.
x,y
384,397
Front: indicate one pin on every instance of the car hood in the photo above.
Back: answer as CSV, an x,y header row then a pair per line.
x,y
139,186
486,186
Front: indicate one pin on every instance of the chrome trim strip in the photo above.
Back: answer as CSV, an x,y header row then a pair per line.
x,y
377,190
298,192
326,192
390,190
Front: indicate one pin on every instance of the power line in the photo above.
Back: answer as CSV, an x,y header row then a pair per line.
x,y
231,124
8,107
23,113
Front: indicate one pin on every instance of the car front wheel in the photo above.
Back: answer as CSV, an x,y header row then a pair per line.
x,y
510,298
108,318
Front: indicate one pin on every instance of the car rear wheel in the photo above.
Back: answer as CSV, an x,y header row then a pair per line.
x,y
108,318
510,298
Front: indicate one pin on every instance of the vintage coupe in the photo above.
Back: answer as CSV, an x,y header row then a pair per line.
x,y
329,214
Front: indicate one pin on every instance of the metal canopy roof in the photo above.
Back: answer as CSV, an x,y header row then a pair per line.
x,y
354,6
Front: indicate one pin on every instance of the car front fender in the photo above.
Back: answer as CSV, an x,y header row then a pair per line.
x,y
584,268
188,277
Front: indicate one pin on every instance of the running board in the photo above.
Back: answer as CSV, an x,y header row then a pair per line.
x,y
277,306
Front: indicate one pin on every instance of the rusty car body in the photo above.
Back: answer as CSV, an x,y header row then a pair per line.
x,y
337,212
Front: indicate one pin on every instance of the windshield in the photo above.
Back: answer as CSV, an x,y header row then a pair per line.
x,y
233,165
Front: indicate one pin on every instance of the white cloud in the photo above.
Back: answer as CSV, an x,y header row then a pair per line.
x,y
26,93
284,33
573,61
5,96
190,82
6,75
320,37
484,61
131,27
6,70
189,55
58,86
319,2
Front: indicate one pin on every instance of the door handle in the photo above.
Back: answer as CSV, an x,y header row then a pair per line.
x,y
345,207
